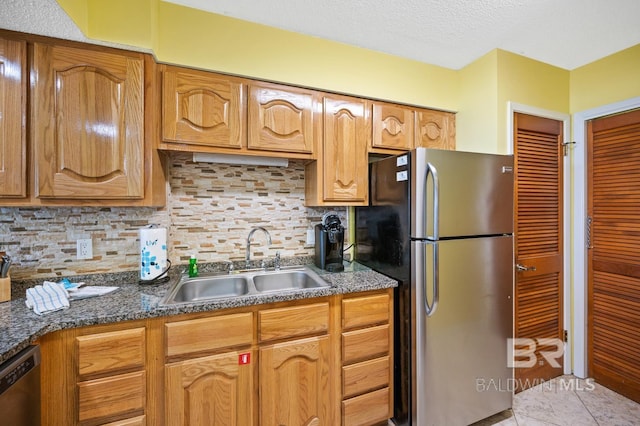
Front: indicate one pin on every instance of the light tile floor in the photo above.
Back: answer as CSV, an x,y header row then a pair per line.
x,y
568,401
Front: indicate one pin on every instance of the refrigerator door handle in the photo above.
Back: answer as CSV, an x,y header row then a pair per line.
x,y
435,205
430,309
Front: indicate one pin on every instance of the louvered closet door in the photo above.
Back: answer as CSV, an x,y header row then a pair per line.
x,y
614,255
538,241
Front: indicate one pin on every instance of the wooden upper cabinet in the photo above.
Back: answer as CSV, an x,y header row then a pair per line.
x,y
202,108
282,118
88,122
392,127
13,98
435,129
342,170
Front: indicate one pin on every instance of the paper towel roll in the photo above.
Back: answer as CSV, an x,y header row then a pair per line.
x,y
153,252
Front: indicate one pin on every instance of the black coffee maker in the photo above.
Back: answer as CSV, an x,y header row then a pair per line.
x,y
329,243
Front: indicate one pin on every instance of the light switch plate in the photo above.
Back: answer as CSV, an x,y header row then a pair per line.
x,y
311,237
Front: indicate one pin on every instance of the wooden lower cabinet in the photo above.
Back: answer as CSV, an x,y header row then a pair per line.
x,y
213,390
321,361
97,375
367,365
294,383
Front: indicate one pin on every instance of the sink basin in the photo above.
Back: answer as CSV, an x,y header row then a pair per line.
x,y
207,288
211,287
288,280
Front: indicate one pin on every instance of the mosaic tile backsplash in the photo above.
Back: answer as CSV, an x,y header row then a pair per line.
x,y
210,210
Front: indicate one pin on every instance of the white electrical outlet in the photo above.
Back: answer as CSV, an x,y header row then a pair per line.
x,y
84,248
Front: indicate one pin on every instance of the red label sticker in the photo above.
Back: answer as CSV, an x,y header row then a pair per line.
x,y
244,358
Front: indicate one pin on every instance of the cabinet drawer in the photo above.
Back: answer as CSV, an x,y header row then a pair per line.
x,y
366,310
204,334
294,321
364,344
134,421
109,352
111,396
365,376
367,409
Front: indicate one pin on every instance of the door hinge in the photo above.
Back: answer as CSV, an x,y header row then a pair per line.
x,y
565,147
566,336
589,220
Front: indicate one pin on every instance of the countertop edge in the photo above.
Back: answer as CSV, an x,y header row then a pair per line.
x,y
22,328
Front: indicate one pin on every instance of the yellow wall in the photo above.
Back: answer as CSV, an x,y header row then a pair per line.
x,y
185,36
476,119
611,79
489,83
529,82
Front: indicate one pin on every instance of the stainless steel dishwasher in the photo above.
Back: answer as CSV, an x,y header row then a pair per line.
x,y
20,389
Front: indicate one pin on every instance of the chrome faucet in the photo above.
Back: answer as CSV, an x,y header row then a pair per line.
x,y
248,252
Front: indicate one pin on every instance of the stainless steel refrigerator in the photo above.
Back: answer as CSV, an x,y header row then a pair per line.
x,y
441,223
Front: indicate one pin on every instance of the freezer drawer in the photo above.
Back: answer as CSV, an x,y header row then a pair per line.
x,y
460,361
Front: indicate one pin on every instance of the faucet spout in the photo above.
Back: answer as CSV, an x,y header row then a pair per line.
x,y
248,249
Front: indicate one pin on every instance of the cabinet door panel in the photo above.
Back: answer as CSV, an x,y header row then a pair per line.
x,y
435,129
345,153
294,383
13,142
392,127
202,108
88,123
214,390
281,118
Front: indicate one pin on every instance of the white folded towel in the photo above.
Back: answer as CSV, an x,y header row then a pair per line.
x,y
48,297
90,291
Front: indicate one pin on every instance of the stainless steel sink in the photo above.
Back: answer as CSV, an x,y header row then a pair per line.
x,y
289,280
206,288
211,287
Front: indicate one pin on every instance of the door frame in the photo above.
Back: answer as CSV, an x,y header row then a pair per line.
x,y
513,107
580,273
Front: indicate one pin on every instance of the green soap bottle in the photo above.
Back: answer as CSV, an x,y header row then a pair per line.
x,y
193,267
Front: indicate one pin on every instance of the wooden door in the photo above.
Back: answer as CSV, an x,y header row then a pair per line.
x,y
295,383
13,101
282,118
88,123
213,390
202,108
538,248
435,129
613,147
345,169
392,127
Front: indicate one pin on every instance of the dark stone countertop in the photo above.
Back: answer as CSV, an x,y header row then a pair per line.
x,y
20,326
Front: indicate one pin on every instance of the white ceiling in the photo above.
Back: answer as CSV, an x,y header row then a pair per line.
x,y
449,33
